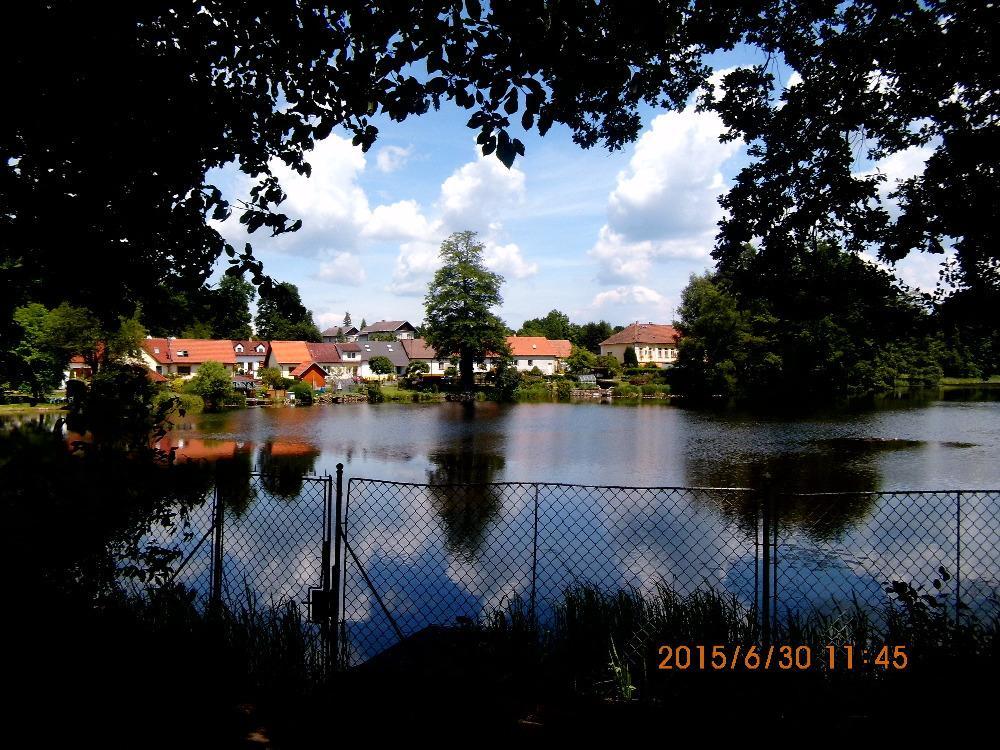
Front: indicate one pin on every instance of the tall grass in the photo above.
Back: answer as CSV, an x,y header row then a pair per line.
x,y
606,643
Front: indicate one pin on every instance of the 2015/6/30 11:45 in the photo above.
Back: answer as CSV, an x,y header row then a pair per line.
x,y
780,657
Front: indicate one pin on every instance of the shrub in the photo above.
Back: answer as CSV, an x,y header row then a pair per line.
x,y
629,357
303,393
213,383
537,391
185,403
625,390
375,395
564,390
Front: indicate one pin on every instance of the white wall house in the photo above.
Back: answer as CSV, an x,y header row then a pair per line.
x,y
530,352
652,342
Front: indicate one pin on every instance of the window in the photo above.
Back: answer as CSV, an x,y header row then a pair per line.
x,y
239,347
182,352
260,349
183,369
159,369
531,362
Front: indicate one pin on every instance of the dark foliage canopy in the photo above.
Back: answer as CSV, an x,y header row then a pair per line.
x,y
118,112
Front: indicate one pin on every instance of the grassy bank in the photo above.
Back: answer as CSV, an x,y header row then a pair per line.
x,y
28,409
254,668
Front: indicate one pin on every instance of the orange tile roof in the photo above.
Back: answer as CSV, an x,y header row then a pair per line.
x,y
290,352
644,333
167,351
539,346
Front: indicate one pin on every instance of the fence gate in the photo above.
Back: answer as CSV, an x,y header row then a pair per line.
x,y
263,537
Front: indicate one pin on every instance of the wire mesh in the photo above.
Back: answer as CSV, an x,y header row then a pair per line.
x,y
444,554
441,554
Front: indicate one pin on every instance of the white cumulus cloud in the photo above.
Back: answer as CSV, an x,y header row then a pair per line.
x,y
507,260
391,158
665,204
479,193
343,268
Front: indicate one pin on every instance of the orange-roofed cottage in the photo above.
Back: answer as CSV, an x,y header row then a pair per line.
x,y
183,357
530,352
652,342
295,359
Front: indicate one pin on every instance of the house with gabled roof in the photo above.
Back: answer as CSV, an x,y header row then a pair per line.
x,y
183,357
530,352
391,350
401,329
336,360
653,343
335,334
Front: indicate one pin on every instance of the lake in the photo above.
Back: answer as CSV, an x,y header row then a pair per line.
x,y
433,554
902,445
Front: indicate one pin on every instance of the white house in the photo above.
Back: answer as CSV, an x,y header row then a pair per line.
x,y
530,352
652,342
183,357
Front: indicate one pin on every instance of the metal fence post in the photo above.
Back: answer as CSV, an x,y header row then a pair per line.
x,y
218,522
534,560
765,568
337,534
958,556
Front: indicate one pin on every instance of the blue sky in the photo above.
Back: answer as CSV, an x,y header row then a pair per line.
x,y
598,235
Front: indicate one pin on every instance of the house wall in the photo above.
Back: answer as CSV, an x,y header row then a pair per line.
x,y
548,365
314,378
659,354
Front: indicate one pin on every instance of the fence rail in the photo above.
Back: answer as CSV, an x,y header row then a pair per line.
x,y
408,556
424,555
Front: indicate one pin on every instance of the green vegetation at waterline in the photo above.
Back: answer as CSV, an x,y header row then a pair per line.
x,y
822,324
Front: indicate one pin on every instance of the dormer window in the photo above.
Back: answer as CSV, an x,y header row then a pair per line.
x,y
260,348
239,347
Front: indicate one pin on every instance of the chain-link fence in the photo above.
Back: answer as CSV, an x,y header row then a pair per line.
x,y
415,555
256,536
420,555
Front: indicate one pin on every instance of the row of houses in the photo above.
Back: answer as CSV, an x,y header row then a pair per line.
x,y
318,362
347,353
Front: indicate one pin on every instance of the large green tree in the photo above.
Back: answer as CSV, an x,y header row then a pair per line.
x,y
459,306
555,325
231,309
282,316
834,326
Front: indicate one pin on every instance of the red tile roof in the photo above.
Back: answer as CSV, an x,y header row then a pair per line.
x,y
302,369
418,349
539,346
328,353
644,333
154,376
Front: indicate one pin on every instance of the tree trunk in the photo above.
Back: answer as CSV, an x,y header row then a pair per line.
x,y
465,365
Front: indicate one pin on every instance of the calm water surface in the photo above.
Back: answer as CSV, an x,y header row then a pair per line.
x,y
938,445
